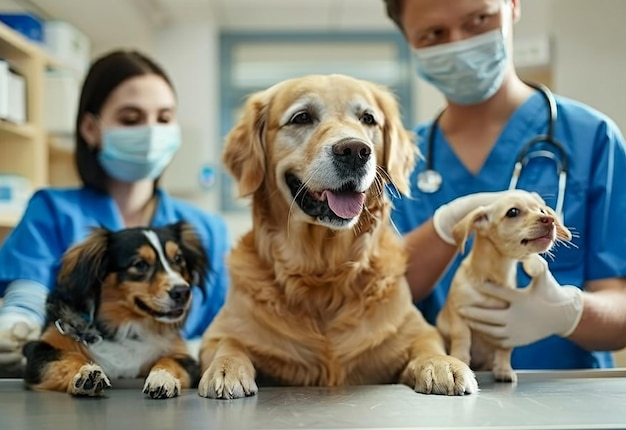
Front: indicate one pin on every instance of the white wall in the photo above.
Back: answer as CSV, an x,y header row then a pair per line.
x,y
590,63
190,54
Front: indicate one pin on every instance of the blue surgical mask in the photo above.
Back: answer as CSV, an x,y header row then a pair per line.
x,y
130,154
467,72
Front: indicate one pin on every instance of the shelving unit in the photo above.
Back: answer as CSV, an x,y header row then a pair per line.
x,y
24,148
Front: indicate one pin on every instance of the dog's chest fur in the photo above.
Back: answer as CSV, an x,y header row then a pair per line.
x,y
130,351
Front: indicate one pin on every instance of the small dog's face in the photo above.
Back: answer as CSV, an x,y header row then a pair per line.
x,y
517,224
145,272
149,269
323,142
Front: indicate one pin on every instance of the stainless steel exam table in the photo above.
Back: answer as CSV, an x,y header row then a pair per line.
x,y
590,399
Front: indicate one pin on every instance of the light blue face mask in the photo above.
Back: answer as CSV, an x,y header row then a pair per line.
x,y
131,154
468,71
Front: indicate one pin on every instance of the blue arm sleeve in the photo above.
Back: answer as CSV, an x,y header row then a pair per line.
x,y
607,204
32,249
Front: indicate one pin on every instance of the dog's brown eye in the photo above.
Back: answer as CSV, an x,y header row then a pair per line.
x,y
178,259
140,266
301,118
368,119
512,213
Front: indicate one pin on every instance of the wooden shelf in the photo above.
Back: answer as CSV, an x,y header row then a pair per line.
x,y
8,130
15,46
9,219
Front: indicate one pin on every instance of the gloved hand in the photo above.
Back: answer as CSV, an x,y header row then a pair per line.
x,y
15,330
446,216
542,309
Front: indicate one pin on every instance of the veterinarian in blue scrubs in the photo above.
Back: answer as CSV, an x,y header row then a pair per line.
x,y
463,48
127,134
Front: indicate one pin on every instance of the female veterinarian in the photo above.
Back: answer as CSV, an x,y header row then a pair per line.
x,y
126,135
498,132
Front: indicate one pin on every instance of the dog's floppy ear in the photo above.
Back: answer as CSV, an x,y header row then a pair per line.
x,y
194,253
83,267
244,153
399,148
463,229
562,232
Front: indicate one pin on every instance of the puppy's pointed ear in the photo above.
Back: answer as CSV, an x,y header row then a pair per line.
x,y
83,267
399,148
194,253
244,153
562,232
476,219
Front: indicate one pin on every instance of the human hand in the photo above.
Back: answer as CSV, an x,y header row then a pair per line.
x,y
542,309
15,330
446,216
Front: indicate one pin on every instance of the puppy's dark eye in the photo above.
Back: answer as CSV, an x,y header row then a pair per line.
x,y
301,118
368,119
513,212
178,259
140,266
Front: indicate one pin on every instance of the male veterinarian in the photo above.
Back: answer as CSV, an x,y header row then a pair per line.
x,y
464,49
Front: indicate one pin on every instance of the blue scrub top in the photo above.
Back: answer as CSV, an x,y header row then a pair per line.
x,y
594,207
55,219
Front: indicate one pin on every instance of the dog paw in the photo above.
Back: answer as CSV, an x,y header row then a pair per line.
x,y
227,379
442,374
504,374
161,384
89,381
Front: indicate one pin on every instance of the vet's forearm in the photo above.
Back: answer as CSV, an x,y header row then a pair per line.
x,y
602,326
429,257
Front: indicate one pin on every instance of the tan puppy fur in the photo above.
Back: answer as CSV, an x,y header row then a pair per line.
x,y
517,227
318,295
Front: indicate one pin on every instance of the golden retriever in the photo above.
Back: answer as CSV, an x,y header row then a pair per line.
x,y
318,294
515,228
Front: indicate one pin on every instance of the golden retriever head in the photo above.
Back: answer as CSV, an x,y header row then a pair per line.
x,y
134,274
320,149
517,224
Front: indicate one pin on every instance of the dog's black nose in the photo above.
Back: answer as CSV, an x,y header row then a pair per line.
x,y
352,153
180,294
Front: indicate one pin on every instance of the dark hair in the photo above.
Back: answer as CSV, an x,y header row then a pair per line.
x,y
394,11
104,75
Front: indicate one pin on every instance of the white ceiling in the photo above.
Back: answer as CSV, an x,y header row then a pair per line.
x,y
135,19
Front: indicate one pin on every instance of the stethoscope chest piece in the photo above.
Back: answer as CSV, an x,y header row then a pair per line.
x,y
429,181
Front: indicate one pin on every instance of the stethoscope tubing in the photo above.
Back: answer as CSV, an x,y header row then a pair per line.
x,y
429,180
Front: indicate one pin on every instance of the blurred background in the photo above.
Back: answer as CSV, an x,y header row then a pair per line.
x,y
218,51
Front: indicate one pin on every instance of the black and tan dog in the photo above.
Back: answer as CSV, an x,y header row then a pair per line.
x,y
117,311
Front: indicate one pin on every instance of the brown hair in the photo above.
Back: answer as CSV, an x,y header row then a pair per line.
x,y
394,11
104,75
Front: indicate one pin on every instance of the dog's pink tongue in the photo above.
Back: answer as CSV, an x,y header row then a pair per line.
x,y
344,204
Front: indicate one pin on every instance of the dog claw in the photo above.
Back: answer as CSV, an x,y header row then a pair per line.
x,y
161,384
90,381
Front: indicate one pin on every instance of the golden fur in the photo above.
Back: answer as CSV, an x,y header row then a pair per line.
x,y
504,233
322,300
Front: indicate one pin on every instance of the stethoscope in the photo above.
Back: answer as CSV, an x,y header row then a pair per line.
x,y
429,180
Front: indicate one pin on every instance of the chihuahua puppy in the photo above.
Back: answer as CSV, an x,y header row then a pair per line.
x,y
515,228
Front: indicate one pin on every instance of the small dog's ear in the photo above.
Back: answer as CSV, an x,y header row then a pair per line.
x,y
474,220
244,152
194,253
82,272
562,232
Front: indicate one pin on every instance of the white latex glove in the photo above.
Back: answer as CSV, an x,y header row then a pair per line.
x,y
543,309
15,330
446,216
